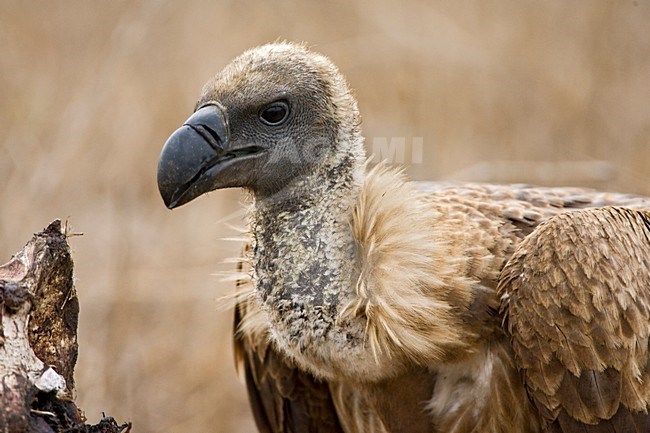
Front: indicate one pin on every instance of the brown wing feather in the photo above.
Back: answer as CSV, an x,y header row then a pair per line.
x,y
576,295
283,398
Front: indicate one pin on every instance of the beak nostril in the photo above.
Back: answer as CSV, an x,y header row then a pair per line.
x,y
217,139
210,136
211,123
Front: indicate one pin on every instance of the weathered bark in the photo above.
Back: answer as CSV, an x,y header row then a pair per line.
x,y
38,340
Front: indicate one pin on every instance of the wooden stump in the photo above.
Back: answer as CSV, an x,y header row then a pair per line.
x,y
38,340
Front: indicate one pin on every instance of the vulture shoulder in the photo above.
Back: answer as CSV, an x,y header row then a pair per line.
x,y
576,299
283,397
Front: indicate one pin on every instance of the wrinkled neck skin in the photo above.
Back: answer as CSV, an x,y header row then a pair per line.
x,y
304,259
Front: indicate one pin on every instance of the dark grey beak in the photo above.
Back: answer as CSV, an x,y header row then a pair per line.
x,y
188,155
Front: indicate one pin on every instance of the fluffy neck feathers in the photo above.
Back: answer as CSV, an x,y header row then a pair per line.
x,y
362,282
414,286
302,240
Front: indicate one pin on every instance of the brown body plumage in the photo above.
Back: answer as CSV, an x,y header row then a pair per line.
x,y
380,305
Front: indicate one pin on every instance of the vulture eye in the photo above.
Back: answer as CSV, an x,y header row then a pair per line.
x,y
275,113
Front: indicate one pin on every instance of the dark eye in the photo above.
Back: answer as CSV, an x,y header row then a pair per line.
x,y
275,113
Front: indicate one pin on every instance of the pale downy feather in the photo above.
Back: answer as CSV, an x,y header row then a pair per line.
x,y
410,277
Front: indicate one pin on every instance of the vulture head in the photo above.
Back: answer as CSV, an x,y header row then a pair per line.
x,y
278,117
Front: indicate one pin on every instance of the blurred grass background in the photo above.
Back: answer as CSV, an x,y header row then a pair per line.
x,y
512,91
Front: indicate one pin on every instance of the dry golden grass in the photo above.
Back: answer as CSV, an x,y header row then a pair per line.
x,y
519,91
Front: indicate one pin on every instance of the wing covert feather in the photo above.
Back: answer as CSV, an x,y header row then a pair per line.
x,y
576,301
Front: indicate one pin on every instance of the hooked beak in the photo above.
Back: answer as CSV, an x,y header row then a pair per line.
x,y
198,158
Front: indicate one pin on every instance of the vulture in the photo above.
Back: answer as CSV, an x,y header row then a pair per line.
x,y
376,304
